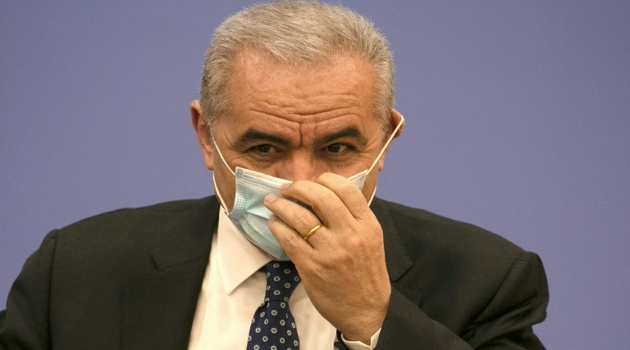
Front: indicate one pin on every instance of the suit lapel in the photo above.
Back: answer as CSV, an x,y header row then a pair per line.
x,y
159,307
396,256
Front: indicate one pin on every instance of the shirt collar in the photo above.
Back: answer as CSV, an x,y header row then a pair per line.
x,y
238,257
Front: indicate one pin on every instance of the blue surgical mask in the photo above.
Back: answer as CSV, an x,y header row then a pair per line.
x,y
249,213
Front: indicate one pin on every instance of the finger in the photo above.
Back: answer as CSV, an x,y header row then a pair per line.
x,y
292,243
322,201
349,194
298,218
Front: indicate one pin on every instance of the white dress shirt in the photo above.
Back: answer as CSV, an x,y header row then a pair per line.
x,y
233,288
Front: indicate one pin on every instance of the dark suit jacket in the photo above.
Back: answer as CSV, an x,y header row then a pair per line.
x,y
130,279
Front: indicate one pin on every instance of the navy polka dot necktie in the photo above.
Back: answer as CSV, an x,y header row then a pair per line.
x,y
273,326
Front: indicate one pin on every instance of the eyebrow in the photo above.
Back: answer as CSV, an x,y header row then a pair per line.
x,y
349,132
253,135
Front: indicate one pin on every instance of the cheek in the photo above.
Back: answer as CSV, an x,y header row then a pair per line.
x,y
224,184
370,184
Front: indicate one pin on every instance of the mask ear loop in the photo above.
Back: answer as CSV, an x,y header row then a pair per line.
x,y
221,155
389,140
214,183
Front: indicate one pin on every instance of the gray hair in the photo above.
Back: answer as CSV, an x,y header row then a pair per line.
x,y
295,32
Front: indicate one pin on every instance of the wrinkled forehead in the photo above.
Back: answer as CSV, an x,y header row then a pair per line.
x,y
255,71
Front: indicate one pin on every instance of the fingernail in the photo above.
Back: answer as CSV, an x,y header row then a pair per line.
x,y
270,198
283,187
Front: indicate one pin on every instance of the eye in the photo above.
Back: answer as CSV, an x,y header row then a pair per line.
x,y
264,149
264,152
338,149
334,148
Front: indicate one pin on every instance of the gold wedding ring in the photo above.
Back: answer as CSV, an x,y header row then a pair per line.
x,y
312,232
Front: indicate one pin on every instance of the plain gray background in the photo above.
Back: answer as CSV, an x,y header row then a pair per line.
x,y
517,121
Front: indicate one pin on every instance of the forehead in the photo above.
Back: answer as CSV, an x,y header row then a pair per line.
x,y
258,85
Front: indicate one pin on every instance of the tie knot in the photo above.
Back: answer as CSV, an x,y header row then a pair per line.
x,y
282,278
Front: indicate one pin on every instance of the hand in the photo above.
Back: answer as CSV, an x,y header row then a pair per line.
x,y
342,265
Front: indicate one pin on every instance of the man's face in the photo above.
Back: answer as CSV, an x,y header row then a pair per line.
x,y
295,123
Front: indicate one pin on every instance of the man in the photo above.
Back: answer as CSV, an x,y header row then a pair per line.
x,y
295,119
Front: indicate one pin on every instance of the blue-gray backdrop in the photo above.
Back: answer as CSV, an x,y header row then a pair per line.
x,y
517,120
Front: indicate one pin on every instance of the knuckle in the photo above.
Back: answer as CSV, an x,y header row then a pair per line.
x,y
292,240
334,261
325,197
304,217
357,241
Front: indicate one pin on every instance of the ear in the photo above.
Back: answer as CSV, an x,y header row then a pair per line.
x,y
203,133
395,118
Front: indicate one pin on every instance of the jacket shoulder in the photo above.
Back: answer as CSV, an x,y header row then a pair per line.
x,y
139,219
423,230
128,234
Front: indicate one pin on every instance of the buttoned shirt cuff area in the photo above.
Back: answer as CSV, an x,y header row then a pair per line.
x,y
357,345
